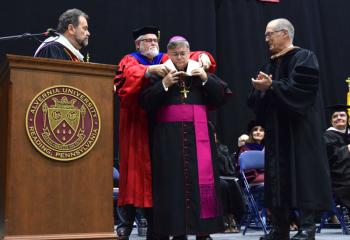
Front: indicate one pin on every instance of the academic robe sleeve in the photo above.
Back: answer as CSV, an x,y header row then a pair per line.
x,y
131,78
295,92
336,151
217,91
298,91
152,96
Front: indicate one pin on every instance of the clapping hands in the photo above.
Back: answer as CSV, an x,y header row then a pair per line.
x,y
262,81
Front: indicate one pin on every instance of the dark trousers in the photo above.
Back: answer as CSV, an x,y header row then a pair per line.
x,y
280,220
127,214
307,220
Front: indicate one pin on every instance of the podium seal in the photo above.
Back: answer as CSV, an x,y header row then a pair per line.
x,y
63,123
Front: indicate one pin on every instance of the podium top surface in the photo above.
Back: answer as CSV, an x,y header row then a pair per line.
x,y
46,64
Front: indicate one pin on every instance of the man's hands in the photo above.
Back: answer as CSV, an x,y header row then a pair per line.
x,y
262,81
171,78
161,70
158,70
200,72
204,61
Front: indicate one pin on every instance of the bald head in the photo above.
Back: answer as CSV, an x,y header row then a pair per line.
x,y
279,35
282,23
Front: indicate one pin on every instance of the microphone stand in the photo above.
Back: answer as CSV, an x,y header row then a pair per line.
x,y
24,36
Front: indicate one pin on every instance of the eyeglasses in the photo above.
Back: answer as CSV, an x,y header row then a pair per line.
x,y
178,54
150,40
269,34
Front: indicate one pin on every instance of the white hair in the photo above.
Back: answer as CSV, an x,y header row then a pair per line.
x,y
283,23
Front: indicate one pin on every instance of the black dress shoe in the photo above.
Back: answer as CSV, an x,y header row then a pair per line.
x,y
183,237
154,237
304,235
275,235
203,237
122,235
157,238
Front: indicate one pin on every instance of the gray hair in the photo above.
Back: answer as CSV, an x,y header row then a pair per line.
x,y
71,16
283,23
139,38
173,44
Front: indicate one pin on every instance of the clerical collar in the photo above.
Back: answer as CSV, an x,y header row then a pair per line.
x,y
64,41
190,66
338,130
284,51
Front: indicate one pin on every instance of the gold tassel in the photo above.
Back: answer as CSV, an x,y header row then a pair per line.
x,y
348,94
87,57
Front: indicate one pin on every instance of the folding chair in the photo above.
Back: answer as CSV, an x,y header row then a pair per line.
x,y
252,160
115,194
342,214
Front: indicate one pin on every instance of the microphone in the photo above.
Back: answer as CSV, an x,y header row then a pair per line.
x,y
51,32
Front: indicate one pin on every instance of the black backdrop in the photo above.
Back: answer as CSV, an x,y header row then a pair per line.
x,y
232,30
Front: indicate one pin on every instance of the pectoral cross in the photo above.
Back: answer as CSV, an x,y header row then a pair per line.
x,y
184,92
184,89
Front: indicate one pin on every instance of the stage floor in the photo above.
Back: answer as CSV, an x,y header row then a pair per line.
x,y
326,234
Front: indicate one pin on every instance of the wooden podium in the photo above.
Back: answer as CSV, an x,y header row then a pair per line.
x,y
42,197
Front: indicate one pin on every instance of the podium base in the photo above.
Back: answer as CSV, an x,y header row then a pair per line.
x,y
76,236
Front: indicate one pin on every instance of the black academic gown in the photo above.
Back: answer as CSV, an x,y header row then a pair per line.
x,y
296,167
56,50
174,157
339,162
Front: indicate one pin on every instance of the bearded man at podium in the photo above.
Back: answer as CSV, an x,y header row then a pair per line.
x,y
72,35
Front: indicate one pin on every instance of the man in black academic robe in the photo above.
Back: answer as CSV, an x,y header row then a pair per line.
x,y
73,34
337,139
286,98
185,182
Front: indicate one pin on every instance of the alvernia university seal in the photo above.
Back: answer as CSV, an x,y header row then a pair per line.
x,y
63,123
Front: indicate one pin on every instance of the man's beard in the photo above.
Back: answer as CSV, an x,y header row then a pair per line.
x,y
82,42
85,42
150,53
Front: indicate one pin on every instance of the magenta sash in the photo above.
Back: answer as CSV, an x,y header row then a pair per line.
x,y
198,115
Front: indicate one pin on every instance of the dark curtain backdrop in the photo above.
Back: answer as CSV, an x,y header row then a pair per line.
x,y
232,30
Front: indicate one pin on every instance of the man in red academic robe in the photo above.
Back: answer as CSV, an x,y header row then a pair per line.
x,y
135,183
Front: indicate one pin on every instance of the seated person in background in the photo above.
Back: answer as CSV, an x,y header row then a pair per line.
x,y
231,194
255,142
337,140
242,140
115,194
115,177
